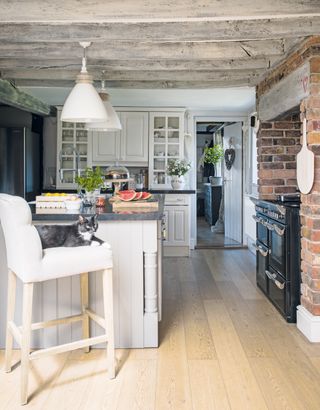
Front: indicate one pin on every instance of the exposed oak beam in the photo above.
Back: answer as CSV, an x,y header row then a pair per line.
x,y
222,75
150,50
31,63
12,96
240,30
95,10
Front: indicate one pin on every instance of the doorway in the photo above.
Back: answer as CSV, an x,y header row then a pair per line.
x,y
219,186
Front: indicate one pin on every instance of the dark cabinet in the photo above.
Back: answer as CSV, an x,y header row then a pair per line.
x,y
212,200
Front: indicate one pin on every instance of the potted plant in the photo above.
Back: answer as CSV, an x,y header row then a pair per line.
x,y
90,181
214,155
177,169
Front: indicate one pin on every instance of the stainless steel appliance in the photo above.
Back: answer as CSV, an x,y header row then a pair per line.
x,y
278,253
20,162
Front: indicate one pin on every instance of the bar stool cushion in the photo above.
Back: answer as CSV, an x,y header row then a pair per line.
x,y
27,259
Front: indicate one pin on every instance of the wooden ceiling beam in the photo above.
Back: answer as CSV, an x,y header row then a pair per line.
x,y
95,10
134,65
236,30
10,95
146,84
132,50
186,75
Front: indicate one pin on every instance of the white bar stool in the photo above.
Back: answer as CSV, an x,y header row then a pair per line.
x,y
30,263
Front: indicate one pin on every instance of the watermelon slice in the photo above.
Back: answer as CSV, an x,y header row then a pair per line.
x,y
146,195
138,196
126,191
127,195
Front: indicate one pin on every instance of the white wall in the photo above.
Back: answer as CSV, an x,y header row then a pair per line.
x,y
250,172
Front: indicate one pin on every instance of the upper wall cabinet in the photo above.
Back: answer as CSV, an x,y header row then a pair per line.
x,y
166,144
128,146
72,154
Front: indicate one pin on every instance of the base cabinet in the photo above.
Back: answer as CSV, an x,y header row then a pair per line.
x,y
177,226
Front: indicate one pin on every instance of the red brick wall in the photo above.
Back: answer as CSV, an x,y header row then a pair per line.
x,y
278,143
310,207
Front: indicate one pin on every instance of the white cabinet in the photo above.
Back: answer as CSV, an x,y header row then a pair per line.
x,y
72,152
166,143
177,225
128,146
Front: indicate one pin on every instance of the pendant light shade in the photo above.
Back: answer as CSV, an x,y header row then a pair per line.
x,y
112,123
84,104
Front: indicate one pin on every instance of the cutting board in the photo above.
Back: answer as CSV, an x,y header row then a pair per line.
x,y
119,205
305,164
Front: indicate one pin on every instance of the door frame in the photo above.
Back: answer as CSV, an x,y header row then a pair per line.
x,y
207,116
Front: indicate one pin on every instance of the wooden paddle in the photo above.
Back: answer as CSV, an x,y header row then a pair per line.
x,y
305,164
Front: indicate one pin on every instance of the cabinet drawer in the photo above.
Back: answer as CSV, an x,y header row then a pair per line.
x,y
176,199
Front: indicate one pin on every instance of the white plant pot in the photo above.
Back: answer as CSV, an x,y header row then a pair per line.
x,y
216,181
177,182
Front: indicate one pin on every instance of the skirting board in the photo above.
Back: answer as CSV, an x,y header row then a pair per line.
x,y
308,324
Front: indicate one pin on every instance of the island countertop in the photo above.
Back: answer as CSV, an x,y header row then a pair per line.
x,y
104,213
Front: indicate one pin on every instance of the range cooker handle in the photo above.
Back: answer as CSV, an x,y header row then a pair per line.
x,y
269,226
278,230
259,220
261,250
273,277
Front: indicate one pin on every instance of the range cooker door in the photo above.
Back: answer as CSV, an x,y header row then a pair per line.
x,y
262,230
279,290
262,263
277,244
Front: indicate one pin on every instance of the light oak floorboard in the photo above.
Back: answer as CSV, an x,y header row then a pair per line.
x,y
173,384
199,344
252,339
207,386
242,387
277,391
221,347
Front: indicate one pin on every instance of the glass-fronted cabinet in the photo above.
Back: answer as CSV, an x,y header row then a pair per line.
x,y
166,143
72,152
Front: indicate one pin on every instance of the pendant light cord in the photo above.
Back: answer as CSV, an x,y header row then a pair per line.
x,y
84,44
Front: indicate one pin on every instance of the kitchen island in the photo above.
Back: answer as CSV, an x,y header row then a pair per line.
x,y
135,239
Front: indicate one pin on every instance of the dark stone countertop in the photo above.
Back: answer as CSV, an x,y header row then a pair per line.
x,y
172,191
104,214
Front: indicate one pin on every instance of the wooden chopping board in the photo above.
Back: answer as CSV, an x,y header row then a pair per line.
x,y
305,164
118,205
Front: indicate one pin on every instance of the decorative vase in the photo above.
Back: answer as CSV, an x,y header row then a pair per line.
x,y
89,197
177,182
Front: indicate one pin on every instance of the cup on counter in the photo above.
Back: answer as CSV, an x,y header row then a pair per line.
x,y
101,201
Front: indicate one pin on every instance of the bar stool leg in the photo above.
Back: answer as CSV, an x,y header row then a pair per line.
x,y
84,286
25,339
12,285
108,314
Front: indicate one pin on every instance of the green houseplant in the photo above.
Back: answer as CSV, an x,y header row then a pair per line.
x,y
90,181
213,155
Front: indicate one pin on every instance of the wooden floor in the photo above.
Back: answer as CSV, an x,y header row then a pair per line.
x,y
208,239
223,346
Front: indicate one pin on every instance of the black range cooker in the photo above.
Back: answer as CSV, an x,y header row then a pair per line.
x,y
278,252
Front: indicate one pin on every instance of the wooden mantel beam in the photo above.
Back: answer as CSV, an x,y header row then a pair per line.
x,y
12,96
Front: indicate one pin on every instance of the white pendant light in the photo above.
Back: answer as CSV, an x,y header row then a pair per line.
x,y
113,122
83,104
